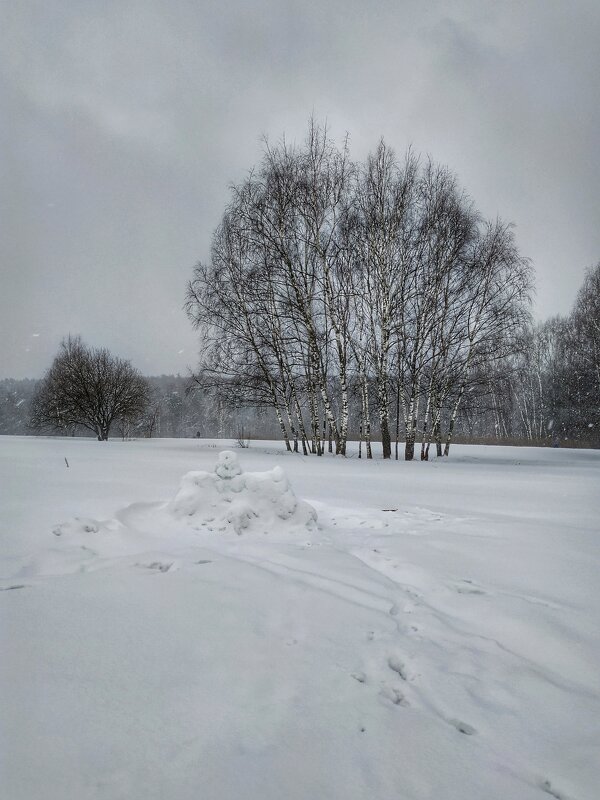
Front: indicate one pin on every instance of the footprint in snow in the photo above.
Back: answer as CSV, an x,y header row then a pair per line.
x,y
394,695
397,666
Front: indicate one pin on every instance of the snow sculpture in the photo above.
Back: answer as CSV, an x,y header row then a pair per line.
x,y
230,499
228,465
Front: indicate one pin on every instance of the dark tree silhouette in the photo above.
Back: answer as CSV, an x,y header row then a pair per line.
x,y
90,388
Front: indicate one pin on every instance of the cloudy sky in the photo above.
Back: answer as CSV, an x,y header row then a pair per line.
x,y
123,123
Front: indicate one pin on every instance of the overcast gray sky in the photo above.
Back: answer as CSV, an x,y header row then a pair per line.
x,y
122,124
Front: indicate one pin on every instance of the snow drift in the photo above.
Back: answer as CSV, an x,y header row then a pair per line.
x,y
230,499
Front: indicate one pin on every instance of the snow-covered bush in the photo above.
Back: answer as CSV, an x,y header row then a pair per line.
x,y
230,499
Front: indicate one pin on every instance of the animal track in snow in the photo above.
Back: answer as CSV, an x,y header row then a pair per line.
x,y
462,727
468,587
161,566
359,521
77,525
547,787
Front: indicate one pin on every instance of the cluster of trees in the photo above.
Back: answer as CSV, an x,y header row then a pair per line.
x,y
366,300
339,290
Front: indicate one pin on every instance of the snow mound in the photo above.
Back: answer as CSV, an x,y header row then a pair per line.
x,y
230,499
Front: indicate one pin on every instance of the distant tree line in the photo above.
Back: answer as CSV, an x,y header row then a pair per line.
x,y
551,388
338,290
15,405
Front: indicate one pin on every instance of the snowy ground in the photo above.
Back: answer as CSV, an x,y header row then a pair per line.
x,y
434,635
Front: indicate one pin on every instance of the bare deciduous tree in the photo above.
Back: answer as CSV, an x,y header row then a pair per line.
x,y
89,388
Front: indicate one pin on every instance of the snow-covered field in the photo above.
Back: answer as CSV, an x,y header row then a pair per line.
x,y
434,634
